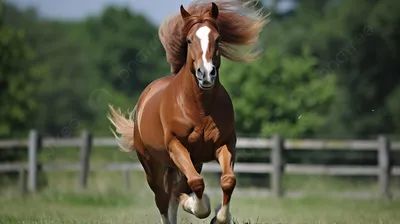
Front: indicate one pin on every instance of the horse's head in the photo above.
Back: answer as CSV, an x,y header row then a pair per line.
x,y
203,39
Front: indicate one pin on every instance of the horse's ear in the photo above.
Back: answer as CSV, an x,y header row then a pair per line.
x,y
214,11
184,13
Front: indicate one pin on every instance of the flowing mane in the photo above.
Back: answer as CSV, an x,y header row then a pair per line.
x,y
238,23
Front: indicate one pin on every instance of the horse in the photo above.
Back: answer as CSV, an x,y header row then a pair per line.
x,y
186,119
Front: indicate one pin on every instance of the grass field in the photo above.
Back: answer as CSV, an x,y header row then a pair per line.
x,y
108,201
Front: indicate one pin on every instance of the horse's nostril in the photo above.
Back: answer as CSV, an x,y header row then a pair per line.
x,y
213,72
201,73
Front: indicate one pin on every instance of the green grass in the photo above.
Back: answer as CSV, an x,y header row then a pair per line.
x,y
108,201
123,208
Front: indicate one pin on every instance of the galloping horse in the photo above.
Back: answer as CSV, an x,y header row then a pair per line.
x,y
186,119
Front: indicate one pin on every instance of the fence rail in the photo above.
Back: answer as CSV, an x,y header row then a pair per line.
x,y
276,168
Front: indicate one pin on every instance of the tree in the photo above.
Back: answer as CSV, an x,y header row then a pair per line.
x,y
279,94
128,53
88,64
359,41
17,81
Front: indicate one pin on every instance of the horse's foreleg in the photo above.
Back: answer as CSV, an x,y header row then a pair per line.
x,y
197,203
226,158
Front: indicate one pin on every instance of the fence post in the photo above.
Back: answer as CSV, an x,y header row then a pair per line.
x,y
384,165
85,156
276,160
33,148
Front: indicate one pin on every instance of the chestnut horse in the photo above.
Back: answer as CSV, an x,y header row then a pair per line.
x,y
186,119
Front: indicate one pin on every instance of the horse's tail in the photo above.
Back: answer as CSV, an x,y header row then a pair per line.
x,y
123,126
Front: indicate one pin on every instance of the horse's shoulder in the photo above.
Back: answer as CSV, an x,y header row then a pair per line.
x,y
161,81
156,86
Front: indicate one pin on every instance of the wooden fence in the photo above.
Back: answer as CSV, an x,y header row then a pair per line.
x,y
276,168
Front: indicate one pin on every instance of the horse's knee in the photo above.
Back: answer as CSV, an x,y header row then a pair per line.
x,y
228,183
197,185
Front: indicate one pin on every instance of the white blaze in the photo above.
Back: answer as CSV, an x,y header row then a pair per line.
x,y
202,33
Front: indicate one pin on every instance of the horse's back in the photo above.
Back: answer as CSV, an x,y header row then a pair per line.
x,y
148,116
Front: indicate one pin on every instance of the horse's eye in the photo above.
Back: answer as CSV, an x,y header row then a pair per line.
x,y
188,41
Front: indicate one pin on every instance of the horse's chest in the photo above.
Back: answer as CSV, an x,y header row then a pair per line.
x,y
202,138
195,137
201,145
205,134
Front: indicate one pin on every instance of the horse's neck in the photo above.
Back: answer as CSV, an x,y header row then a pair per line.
x,y
188,89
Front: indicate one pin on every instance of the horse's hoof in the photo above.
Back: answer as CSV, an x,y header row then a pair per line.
x,y
214,220
220,218
199,208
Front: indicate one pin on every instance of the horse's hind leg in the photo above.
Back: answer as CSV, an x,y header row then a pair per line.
x,y
197,203
155,178
226,158
172,179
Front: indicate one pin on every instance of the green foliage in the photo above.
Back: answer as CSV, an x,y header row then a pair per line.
x,y
394,108
278,94
128,53
329,68
357,41
18,84
126,56
87,65
17,81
